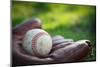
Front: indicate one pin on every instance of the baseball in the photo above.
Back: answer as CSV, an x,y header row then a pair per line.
x,y
37,42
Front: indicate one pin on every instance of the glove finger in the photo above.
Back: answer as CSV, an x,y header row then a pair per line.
x,y
56,42
61,45
60,39
27,25
57,37
73,52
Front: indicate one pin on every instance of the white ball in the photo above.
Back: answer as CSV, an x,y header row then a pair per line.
x,y
37,42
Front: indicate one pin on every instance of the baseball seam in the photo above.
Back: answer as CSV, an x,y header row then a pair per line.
x,y
34,41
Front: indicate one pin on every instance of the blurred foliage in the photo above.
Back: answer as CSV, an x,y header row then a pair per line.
x,y
71,21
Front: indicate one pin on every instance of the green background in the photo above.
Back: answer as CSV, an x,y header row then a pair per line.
x,y
76,22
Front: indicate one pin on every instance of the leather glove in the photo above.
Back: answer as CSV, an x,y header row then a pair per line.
x,y
63,50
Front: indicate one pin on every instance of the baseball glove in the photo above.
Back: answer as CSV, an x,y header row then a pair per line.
x,y
63,50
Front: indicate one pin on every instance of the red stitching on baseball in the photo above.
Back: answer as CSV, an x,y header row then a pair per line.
x,y
34,41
